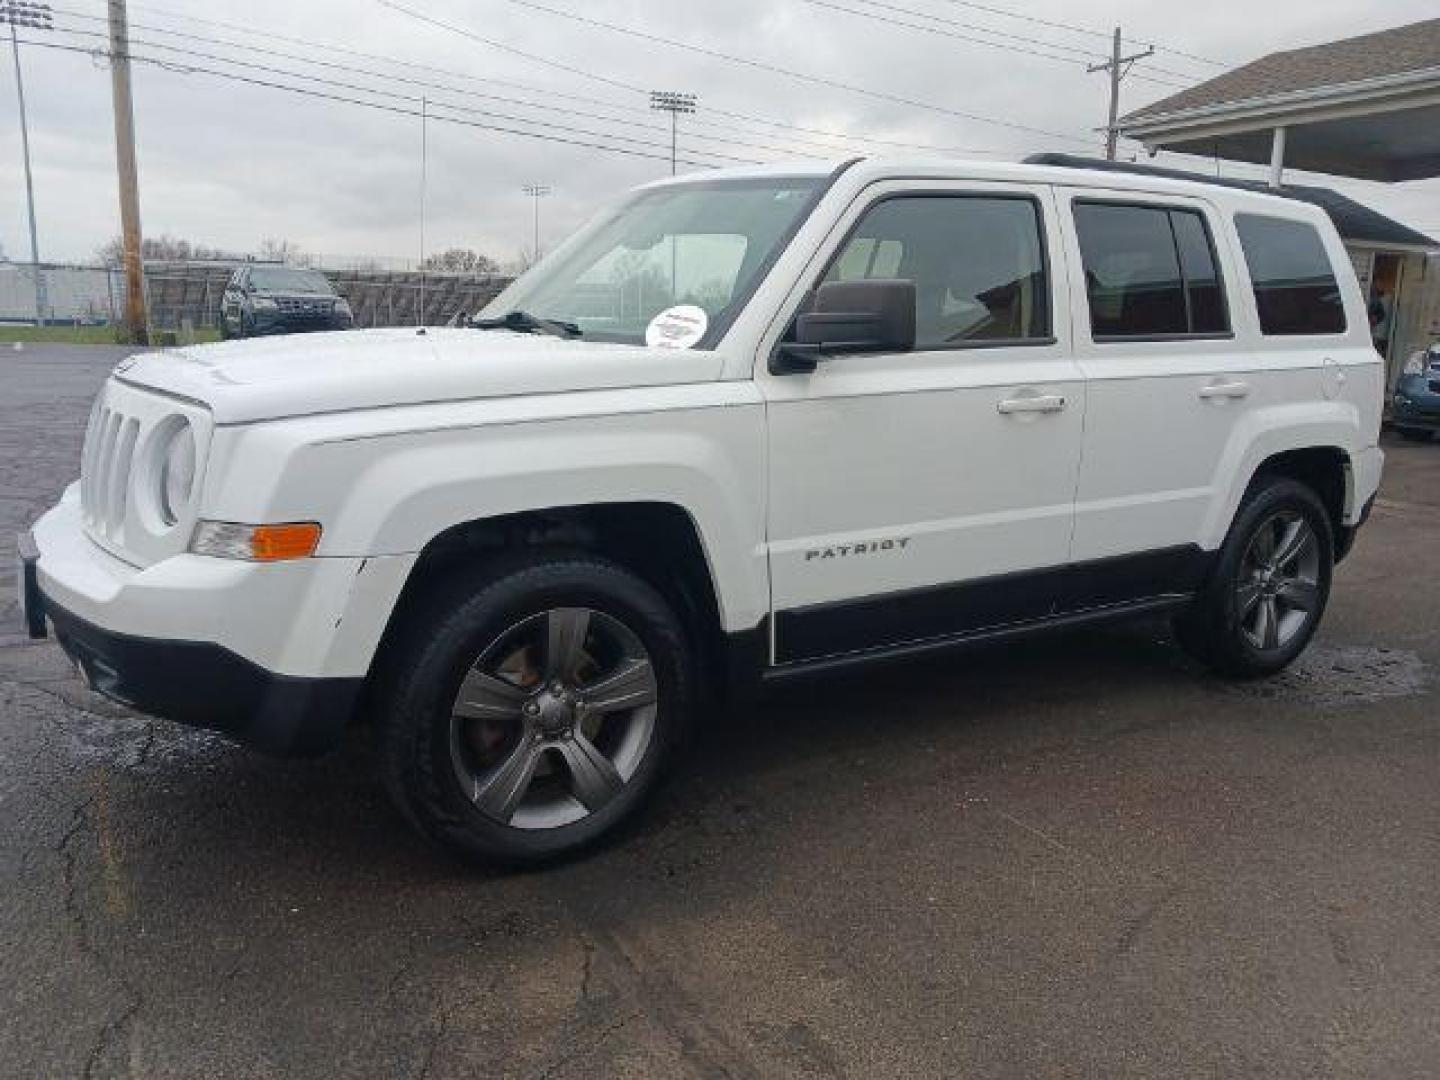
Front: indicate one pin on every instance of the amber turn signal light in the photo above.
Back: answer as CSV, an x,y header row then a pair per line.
x,y
256,543
269,543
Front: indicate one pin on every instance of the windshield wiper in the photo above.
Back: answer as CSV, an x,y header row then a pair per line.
x,y
525,323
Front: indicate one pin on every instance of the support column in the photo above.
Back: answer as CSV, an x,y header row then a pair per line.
x,y
1277,157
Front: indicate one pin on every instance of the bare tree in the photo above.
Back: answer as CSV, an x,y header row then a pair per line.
x,y
460,261
161,249
273,249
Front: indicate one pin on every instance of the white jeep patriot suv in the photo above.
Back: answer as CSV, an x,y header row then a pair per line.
x,y
747,424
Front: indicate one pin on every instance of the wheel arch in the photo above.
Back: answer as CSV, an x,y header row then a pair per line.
x,y
1326,469
1314,443
660,542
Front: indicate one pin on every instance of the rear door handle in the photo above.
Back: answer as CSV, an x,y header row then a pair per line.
x,y
1225,390
1039,403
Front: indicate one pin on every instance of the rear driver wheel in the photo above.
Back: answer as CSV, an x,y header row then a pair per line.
x,y
536,708
1270,584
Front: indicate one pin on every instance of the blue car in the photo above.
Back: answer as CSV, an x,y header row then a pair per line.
x,y
1415,408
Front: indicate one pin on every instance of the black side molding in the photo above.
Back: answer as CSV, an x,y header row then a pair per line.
x,y
964,608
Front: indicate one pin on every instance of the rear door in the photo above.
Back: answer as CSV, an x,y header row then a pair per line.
x,y
1168,378
923,495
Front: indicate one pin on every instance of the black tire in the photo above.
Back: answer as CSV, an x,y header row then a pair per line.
x,y
444,637
1216,631
1414,434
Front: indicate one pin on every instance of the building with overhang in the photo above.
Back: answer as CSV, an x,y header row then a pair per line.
x,y
1365,107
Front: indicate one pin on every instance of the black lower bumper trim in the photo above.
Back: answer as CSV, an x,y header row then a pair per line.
x,y
207,686
32,603
1345,541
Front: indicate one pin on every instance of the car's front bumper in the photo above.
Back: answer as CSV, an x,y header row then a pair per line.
x,y
274,655
205,685
1414,404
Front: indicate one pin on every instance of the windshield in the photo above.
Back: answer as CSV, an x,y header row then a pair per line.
x,y
642,272
283,279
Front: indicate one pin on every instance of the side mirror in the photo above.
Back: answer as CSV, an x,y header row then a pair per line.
x,y
850,317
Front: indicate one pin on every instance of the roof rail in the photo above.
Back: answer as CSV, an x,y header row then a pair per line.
x,y
1131,168
1353,220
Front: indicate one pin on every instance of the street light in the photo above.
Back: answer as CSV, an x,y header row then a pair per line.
x,y
31,16
536,193
674,103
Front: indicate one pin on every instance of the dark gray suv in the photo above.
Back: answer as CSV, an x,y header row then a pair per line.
x,y
262,299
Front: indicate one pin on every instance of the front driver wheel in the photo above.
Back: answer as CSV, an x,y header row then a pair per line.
x,y
1270,584
536,709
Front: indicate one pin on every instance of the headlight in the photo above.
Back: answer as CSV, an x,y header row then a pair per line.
x,y
342,306
264,303
1415,365
177,474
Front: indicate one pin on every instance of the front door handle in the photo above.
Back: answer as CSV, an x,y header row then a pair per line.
x,y
1039,403
1225,390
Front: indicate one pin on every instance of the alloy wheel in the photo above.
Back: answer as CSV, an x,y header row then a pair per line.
x,y
1277,593
553,719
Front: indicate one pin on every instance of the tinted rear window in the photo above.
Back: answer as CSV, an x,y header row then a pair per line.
x,y
1295,287
1149,272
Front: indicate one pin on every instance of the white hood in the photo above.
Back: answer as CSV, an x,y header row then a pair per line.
x,y
268,378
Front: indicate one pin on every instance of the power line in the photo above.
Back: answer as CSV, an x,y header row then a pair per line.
x,y
420,83
433,102
1081,59
758,65
397,110
1090,30
745,118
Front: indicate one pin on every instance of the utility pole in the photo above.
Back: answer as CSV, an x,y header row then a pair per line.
x,y
136,322
673,103
424,177
536,193
33,17
1118,66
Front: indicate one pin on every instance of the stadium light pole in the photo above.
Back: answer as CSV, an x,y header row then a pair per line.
x,y
536,193
32,17
674,103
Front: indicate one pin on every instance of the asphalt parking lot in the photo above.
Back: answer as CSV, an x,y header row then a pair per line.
x,y
1076,858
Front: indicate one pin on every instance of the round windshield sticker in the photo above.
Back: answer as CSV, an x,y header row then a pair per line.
x,y
677,327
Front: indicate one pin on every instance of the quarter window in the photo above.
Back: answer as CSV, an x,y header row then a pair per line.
x,y
1150,271
977,261
1295,287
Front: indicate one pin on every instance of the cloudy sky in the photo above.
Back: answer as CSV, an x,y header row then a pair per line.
x,y
228,163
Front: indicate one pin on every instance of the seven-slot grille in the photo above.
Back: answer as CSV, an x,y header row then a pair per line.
x,y
105,470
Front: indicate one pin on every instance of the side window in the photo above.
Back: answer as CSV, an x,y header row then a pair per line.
x,y
977,261
1150,271
1295,287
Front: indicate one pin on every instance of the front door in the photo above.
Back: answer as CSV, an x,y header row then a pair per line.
x,y
926,495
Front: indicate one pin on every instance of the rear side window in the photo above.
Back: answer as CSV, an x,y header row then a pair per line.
x,y
1150,271
1295,287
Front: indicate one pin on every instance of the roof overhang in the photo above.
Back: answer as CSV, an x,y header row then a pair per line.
x,y
1386,128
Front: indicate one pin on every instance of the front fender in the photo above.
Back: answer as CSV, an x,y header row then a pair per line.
x,y
389,488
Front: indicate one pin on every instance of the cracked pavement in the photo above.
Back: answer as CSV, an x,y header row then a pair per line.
x,y
1075,857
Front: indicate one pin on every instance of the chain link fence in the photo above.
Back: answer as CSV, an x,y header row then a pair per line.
x,y
185,297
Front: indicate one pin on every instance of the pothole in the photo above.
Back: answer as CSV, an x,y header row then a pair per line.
x,y
1333,677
